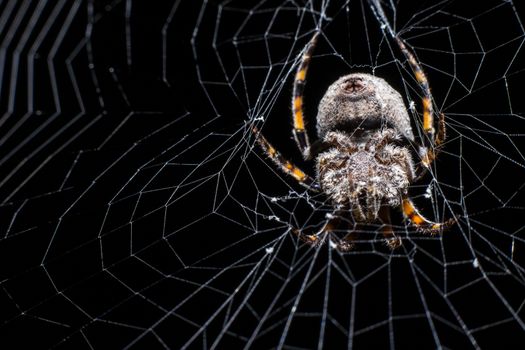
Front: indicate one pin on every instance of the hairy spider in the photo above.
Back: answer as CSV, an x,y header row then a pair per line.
x,y
364,155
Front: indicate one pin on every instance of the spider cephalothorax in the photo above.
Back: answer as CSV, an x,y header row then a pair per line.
x,y
365,152
364,174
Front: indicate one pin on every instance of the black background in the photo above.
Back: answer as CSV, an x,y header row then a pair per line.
x,y
141,187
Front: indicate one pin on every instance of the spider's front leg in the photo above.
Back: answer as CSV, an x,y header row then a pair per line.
x,y
411,213
391,240
332,223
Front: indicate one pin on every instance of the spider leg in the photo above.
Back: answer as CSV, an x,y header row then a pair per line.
x,y
391,240
411,213
332,222
299,131
346,244
428,155
428,110
442,131
433,139
285,165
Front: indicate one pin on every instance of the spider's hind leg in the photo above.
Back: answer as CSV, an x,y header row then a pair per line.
x,y
299,130
429,154
285,165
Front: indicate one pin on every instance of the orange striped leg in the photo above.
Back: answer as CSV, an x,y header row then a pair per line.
x,y
285,165
299,131
435,139
442,131
428,113
411,213
428,155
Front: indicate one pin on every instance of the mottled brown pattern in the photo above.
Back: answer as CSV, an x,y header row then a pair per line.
x,y
364,168
377,100
365,174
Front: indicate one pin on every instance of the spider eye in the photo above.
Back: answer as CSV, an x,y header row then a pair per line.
x,y
353,85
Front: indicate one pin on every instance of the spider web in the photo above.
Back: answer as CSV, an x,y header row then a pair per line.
x,y
137,211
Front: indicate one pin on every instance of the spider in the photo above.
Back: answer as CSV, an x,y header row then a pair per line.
x,y
363,155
